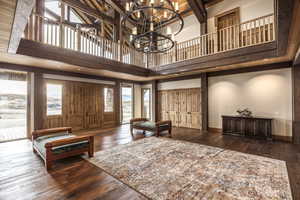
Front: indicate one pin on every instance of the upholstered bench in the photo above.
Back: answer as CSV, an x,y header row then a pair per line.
x,y
146,125
58,143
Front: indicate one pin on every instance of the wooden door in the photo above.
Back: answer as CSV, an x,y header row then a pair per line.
x,y
227,31
93,109
173,107
195,112
183,115
74,105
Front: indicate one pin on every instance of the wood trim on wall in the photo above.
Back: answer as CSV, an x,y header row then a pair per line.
x,y
214,130
282,138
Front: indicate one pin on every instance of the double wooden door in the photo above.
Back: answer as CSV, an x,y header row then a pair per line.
x,y
181,106
82,107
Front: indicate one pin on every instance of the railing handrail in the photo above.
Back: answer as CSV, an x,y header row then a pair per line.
x,y
215,32
252,32
59,31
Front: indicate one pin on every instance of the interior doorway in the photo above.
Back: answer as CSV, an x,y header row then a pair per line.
x,y
13,105
126,103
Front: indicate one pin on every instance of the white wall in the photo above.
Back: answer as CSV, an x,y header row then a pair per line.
x,y
191,29
249,9
267,94
171,85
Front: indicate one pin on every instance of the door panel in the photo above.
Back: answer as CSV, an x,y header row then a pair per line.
x,y
93,108
182,107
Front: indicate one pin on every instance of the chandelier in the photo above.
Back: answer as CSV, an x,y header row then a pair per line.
x,y
154,23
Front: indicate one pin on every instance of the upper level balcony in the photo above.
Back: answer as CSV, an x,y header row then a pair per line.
x,y
251,33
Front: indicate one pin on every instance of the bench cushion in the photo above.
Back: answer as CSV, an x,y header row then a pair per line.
x,y
148,125
40,142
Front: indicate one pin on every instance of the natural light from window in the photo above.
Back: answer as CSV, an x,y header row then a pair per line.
x,y
54,99
108,99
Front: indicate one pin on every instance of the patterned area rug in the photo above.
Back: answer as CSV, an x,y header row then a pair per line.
x,y
162,168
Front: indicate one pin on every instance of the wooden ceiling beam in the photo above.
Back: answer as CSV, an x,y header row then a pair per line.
x,y
82,16
199,10
88,10
116,5
23,10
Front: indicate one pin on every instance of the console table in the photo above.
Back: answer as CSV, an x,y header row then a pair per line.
x,y
256,127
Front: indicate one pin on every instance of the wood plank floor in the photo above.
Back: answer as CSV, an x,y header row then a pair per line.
x,y
23,176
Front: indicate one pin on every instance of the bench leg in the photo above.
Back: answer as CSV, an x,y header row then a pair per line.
x,y
144,132
131,130
91,146
170,132
157,133
48,164
91,153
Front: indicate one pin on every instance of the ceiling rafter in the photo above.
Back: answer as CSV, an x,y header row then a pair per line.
x,y
82,15
88,10
199,10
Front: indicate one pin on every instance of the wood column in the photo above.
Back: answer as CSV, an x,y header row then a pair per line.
x,y
117,99
283,19
204,102
203,28
40,10
38,101
154,97
296,103
62,20
20,20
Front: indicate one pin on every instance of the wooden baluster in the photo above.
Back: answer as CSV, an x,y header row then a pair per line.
x,y
78,38
273,27
264,30
269,29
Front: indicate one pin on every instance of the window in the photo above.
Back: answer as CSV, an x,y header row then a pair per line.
x,y
108,99
146,103
127,103
54,99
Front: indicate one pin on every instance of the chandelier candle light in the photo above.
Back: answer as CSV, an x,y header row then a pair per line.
x,y
151,21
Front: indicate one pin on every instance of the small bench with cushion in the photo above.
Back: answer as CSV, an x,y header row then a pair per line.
x,y
146,125
58,143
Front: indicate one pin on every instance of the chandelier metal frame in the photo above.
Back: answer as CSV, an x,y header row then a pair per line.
x,y
150,35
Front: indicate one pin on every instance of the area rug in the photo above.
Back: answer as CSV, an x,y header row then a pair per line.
x,y
162,168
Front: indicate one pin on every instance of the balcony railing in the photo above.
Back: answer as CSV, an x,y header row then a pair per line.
x,y
47,31
254,32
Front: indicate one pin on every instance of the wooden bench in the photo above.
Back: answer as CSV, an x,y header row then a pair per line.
x,y
58,143
146,125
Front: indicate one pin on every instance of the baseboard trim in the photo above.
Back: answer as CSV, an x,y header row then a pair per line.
x,y
215,130
282,138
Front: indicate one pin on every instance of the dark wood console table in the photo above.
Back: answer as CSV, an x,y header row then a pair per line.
x,y
256,127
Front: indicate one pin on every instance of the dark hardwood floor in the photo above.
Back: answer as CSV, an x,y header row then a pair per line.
x,y
23,176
